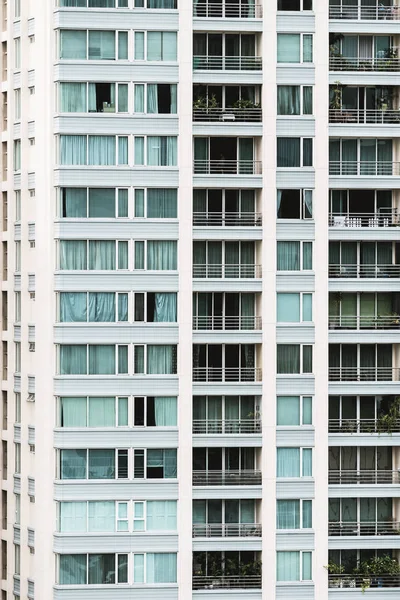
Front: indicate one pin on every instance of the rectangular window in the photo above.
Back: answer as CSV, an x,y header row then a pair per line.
x,y
97,307
294,359
17,104
155,464
294,308
293,566
17,53
293,462
161,46
96,255
93,569
294,410
295,48
294,514
295,100
98,359
155,411
294,152
290,255
93,45
294,204
17,155
295,5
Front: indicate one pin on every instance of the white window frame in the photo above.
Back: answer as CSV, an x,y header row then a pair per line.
x,y
116,346
301,411
301,61
301,320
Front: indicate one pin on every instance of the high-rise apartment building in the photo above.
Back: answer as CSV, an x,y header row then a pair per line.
x,y
200,300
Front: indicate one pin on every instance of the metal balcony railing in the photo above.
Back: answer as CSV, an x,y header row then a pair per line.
x,y
228,115
364,322
368,13
360,581
227,63
227,530
364,373
365,271
384,218
239,374
364,116
244,477
364,528
225,10
227,219
211,582
352,477
373,168
362,426
227,271
345,63
223,323
227,167
226,426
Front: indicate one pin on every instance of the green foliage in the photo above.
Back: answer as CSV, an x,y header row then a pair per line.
x,y
390,421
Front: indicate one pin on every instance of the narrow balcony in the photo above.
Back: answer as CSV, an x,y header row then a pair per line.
x,y
359,373
227,426
226,582
227,63
227,374
226,271
227,477
361,528
227,115
227,323
383,218
226,311
377,12
227,219
227,156
218,530
227,10
375,271
224,166
350,426
356,116
361,477
364,322
369,168
357,63
362,581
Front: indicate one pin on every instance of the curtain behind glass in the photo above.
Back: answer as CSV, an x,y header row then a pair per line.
x,y
73,517
73,149
161,567
161,203
160,360
288,566
73,360
161,515
288,99
288,258
102,255
73,569
102,360
102,307
73,97
74,203
102,150
288,514
73,412
161,255
288,48
288,152
165,411
288,410
165,309
73,307
102,412
101,516
288,462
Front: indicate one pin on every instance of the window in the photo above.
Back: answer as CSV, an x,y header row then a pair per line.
x,y
294,410
17,307
161,255
294,152
155,464
94,203
293,254
93,255
295,48
224,259
17,9
93,569
294,204
109,359
293,462
366,156
161,151
17,458
17,155
294,359
155,203
156,45
17,498
94,464
93,97
93,150
94,3
17,397
17,347
293,514
155,360
17,559
17,104
17,53
17,199
229,512
294,308
155,568
293,566
159,411
155,307
93,45
295,100
295,5
155,98
93,411
93,307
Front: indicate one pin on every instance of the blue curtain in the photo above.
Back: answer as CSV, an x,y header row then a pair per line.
x,y
288,48
102,307
161,203
288,99
162,151
165,307
288,566
73,149
165,411
288,258
161,360
102,150
288,410
73,97
73,464
161,567
73,569
122,307
288,308
73,255
288,514
73,360
102,203
73,307
73,411
102,255
288,462
102,360
74,203
73,44
161,256
102,412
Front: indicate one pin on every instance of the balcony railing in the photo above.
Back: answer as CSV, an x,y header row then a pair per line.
x,y
362,581
368,13
244,477
364,477
227,63
364,322
228,271
217,323
211,582
228,115
364,528
227,530
225,10
239,374
341,63
364,373
362,426
364,116
227,167
373,168
227,426
384,218
227,219
365,271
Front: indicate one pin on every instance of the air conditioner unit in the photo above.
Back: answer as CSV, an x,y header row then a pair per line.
x,y
31,346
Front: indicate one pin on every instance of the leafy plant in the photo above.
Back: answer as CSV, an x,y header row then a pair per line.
x,y
390,421
203,103
334,568
242,103
375,566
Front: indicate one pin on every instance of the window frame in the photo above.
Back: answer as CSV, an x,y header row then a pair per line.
x,y
87,426
301,308
301,566
87,374
87,111
302,398
116,137
301,359
301,113
301,514
88,31
302,35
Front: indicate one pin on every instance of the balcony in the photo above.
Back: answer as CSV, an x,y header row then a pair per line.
x,y
364,373
226,271
374,477
227,477
369,168
361,528
227,323
364,271
363,581
364,322
227,115
227,219
227,63
218,530
365,13
345,63
384,218
364,425
226,426
226,10
227,167
364,116
227,374
216,582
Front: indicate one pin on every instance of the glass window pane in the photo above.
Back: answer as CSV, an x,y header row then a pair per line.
x,y
307,575
288,48
288,514
288,308
307,514
73,412
307,307
307,410
138,568
307,152
139,203
288,566
307,359
123,45
122,412
288,462
307,462
122,203
102,412
307,48
139,45
307,256
139,98
288,410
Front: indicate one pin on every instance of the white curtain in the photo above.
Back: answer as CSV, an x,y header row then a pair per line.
x,y
73,44
288,566
73,411
161,568
288,462
101,516
165,307
73,517
73,307
288,514
102,255
165,409
162,151
161,360
161,515
102,150
73,149
73,97
152,98
102,412
161,255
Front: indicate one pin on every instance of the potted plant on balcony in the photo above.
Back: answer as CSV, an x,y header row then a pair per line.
x,y
335,569
203,105
390,421
374,569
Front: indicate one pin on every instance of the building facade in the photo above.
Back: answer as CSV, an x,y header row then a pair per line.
x,y
200,300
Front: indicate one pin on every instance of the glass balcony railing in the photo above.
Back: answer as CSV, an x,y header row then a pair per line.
x,y
367,13
364,116
227,10
226,426
241,477
227,63
347,63
374,477
227,530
